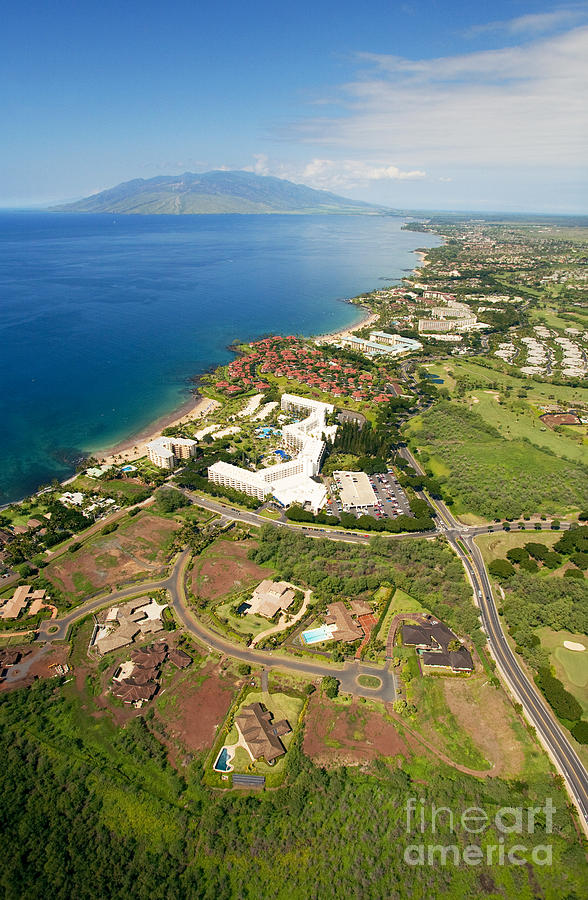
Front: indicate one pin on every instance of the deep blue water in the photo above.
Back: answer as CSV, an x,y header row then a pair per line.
x,y
104,319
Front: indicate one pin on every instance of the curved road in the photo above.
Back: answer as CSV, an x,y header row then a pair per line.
x,y
536,710
347,676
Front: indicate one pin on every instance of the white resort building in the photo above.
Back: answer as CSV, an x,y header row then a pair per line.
x,y
166,452
381,344
291,481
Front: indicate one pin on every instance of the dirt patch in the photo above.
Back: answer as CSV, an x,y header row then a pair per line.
x,y
351,735
139,548
485,714
36,662
198,702
225,568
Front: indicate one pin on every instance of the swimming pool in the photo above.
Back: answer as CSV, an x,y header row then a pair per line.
x,y
129,469
223,760
315,635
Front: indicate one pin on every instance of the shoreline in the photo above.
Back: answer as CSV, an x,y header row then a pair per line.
x,y
133,447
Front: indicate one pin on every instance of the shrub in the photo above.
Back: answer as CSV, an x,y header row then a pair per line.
x,y
580,732
501,568
564,704
330,686
574,573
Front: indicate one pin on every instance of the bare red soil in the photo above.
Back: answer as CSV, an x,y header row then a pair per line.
x,y
351,735
225,568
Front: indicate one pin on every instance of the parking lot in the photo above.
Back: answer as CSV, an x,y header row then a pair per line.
x,y
390,499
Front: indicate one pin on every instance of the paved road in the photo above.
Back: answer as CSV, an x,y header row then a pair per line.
x,y
537,711
347,676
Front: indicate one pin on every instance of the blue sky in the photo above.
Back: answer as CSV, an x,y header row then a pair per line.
x,y
438,105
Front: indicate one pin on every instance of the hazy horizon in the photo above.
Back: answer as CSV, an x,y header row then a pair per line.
x,y
421,107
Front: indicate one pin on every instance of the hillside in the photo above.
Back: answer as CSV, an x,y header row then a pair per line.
x,y
216,192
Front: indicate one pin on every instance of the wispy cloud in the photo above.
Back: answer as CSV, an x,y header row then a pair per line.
x,y
533,24
518,106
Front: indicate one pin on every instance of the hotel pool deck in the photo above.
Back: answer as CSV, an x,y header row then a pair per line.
x,y
316,635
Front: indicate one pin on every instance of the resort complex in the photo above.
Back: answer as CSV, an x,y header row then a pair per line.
x,y
291,481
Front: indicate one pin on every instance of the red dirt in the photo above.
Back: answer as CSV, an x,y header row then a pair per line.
x,y
36,662
135,550
226,568
200,707
356,734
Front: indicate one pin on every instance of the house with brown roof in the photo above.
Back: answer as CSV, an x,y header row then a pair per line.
x,y
260,734
179,658
346,629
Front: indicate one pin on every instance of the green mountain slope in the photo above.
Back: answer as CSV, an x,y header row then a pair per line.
x,y
216,192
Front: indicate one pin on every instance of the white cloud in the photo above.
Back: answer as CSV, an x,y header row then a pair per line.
x,y
515,106
332,174
346,173
533,24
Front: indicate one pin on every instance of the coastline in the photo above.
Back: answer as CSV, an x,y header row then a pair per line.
x,y
135,446
196,407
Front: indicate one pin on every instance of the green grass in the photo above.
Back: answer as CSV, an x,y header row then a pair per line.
x,y
571,667
517,420
497,544
369,681
433,709
494,477
249,624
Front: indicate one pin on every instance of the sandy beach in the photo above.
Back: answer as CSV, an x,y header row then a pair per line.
x,y
135,446
369,318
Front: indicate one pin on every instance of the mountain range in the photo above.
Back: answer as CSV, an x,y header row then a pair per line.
x,y
216,192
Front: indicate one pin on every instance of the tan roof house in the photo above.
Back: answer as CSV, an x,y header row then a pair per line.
x,y
271,596
346,629
262,736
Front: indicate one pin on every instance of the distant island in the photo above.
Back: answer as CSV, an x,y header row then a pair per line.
x,y
217,192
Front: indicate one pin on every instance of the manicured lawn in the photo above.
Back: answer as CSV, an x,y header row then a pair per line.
x,y
518,420
282,706
369,681
571,667
249,624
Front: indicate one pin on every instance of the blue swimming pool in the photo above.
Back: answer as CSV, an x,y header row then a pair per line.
x,y
223,759
315,635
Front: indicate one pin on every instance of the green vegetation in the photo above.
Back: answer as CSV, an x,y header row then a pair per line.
x,y
330,686
491,476
117,821
369,681
426,570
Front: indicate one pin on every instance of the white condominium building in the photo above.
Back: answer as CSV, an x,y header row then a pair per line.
x,y
165,452
239,479
399,343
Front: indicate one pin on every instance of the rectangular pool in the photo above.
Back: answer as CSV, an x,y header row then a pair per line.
x,y
316,635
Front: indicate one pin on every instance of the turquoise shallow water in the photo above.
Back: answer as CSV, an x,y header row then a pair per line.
x,y
104,319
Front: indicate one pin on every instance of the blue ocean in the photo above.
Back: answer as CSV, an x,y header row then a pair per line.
x,y
105,320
